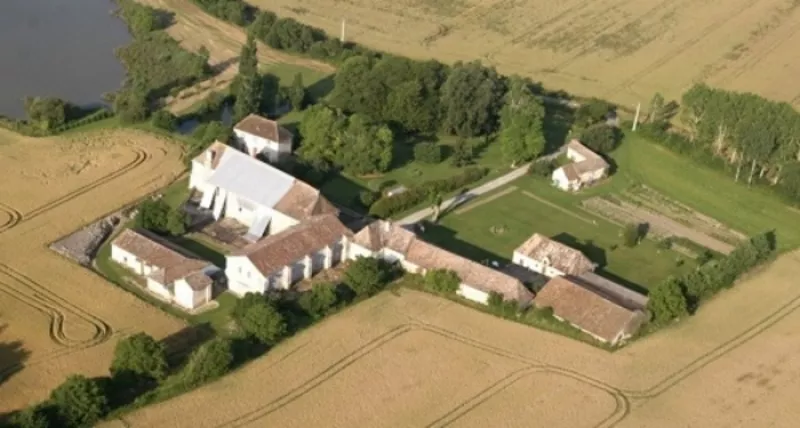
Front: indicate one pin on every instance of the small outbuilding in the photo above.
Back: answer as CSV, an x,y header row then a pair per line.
x,y
587,168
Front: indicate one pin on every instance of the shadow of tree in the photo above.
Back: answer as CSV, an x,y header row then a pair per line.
x,y
12,357
181,343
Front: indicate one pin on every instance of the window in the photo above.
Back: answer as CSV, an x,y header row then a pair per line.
x,y
248,274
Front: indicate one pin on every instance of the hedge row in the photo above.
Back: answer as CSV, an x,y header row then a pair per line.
x,y
28,130
390,205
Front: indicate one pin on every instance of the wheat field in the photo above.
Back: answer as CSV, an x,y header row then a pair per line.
x,y
57,318
408,359
621,50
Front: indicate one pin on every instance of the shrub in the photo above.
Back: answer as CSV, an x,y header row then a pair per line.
x,y
367,275
600,137
442,281
259,318
159,217
163,119
495,300
631,235
319,301
665,244
210,361
390,205
79,401
704,257
31,417
139,356
428,153
667,301
367,197
542,168
463,153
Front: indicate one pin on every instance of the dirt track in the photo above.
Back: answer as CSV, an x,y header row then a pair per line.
x,y
64,318
416,360
193,29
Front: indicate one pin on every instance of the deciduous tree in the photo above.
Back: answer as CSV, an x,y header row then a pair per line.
x,y
80,402
140,355
260,319
366,275
247,87
666,301
471,99
521,131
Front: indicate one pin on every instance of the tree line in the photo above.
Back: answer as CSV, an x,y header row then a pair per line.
x,y
756,139
678,296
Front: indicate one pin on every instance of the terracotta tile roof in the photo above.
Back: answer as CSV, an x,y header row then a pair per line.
x,y
571,172
213,152
562,257
303,201
261,126
476,275
383,234
148,250
199,281
275,251
587,310
171,265
591,161
169,274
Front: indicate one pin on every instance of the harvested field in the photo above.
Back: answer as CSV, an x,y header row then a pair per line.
x,y
622,212
64,318
193,29
411,359
619,49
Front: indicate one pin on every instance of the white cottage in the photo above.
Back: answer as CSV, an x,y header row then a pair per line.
x,y
393,243
258,135
587,167
551,258
256,194
172,276
278,261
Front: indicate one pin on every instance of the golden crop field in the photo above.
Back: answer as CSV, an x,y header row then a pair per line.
x,y
57,318
622,50
409,359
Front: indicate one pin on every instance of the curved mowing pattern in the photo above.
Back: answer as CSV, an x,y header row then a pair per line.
x,y
14,217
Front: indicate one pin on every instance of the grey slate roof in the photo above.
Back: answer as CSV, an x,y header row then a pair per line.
x,y
254,180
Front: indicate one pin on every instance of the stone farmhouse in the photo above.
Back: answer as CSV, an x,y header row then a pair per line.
x,y
390,242
587,168
550,258
277,261
169,274
256,194
258,135
597,306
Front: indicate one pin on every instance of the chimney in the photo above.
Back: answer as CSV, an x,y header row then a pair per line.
x,y
209,157
252,151
387,226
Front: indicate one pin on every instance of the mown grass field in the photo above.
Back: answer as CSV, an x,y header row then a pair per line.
x,y
618,49
749,209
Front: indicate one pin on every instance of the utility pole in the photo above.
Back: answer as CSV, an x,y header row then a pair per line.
x,y
342,37
636,118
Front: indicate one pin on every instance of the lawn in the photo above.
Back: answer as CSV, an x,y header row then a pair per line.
x,y
493,230
749,209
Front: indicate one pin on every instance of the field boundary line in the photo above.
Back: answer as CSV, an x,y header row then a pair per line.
x,y
560,208
470,206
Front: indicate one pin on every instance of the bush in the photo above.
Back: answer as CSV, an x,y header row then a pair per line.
x,y
139,356
163,119
601,138
631,235
542,168
666,301
319,301
31,417
259,318
389,205
463,153
442,281
367,275
79,401
159,217
210,361
428,153
367,197
665,244
495,300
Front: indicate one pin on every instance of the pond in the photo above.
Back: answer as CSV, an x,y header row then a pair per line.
x,y
59,48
